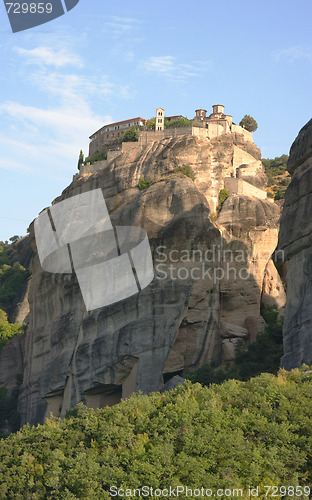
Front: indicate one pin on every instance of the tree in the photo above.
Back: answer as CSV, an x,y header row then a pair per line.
x,y
81,159
249,123
131,135
150,124
14,239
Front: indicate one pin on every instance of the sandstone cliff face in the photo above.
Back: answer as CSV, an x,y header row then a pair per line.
x,y
204,296
295,241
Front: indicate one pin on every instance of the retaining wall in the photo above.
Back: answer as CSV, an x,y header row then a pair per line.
x,y
238,186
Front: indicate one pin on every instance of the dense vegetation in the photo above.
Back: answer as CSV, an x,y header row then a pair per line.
x,y
278,177
232,435
263,355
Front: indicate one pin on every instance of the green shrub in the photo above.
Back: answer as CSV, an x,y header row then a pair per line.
x,y
187,171
144,183
130,135
96,157
9,330
280,194
223,195
180,121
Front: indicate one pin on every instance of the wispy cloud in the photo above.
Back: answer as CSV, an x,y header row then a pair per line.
x,y
51,138
46,56
121,25
293,54
169,67
73,86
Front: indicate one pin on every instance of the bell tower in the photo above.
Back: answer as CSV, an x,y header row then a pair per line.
x,y
160,119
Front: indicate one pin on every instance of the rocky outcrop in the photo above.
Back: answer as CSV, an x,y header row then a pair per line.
x,y
205,296
295,241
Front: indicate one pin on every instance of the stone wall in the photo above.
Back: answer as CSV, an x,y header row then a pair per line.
x,y
241,157
213,130
100,144
237,129
146,137
98,165
243,188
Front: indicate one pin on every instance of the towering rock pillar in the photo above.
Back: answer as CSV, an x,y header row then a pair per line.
x,y
295,241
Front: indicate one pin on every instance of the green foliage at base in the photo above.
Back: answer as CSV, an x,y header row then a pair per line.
x,y
96,157
187,171
223,195
226,436
144,183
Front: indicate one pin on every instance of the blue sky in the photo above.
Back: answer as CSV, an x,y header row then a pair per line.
x,y
108,61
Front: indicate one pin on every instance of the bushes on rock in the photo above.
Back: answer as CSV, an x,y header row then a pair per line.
x,y
9,330
96,157
229,436
187,171
223,195
144,183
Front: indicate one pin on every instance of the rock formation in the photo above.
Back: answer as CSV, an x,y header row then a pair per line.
x,y
295,241
206,292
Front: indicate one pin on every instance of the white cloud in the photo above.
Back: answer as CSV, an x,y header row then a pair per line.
x,y
46,56
120,25
293,54
73,86
162,64
169,67
45,140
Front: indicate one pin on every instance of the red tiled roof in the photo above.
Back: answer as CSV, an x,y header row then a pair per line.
x,y
116,123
